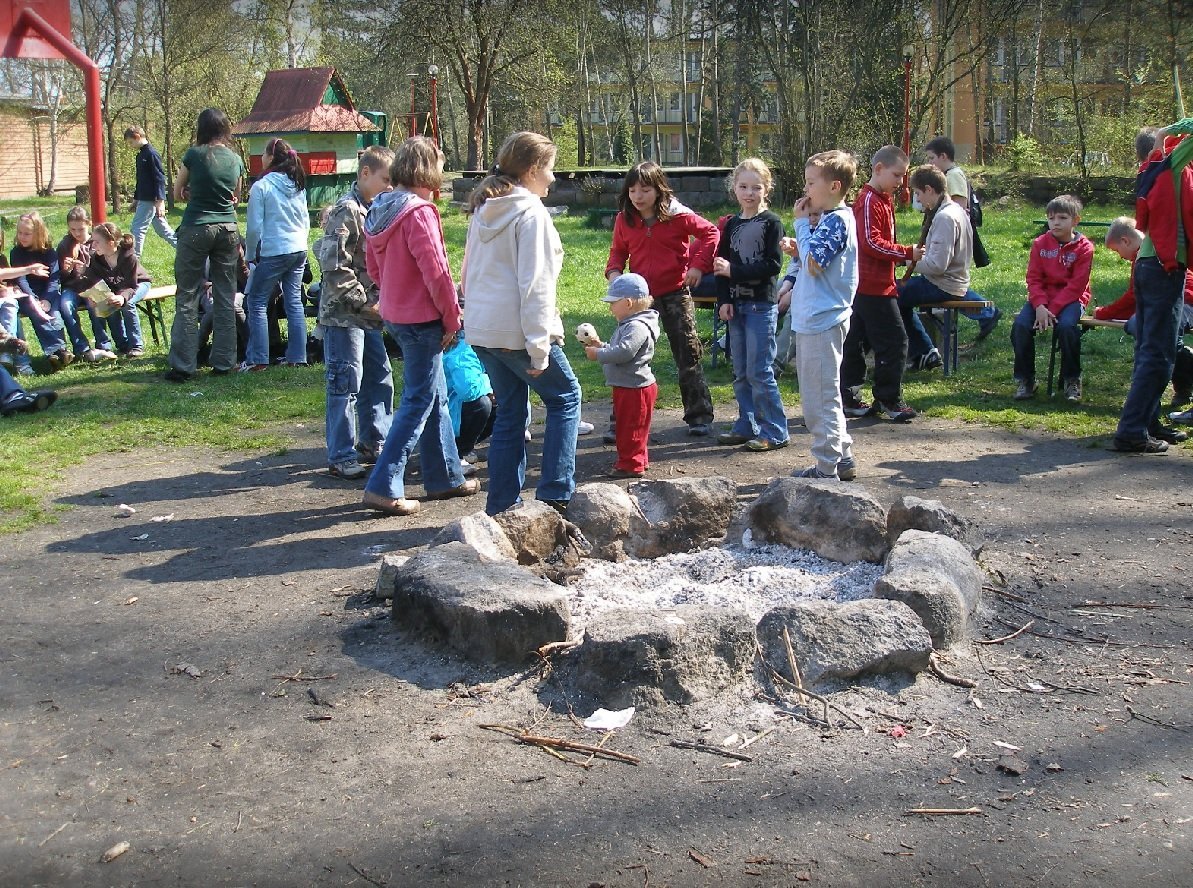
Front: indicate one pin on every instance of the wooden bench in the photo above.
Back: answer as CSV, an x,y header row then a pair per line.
x,y
151,306
718,326
948,334
1086,323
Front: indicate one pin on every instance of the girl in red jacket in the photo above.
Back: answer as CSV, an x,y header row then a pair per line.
x,y
673,248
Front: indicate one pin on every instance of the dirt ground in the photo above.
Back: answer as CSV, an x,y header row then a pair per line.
x,y
238,776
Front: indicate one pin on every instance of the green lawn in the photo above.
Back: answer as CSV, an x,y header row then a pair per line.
x,y
120,407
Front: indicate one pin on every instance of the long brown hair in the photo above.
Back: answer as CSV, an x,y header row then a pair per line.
x,y
518,155
650,175
285,160
112,235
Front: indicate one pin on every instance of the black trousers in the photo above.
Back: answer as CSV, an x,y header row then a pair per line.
x,y
876,321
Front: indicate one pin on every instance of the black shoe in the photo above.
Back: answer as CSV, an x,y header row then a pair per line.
x,y
174,375
986,326
217,372
28,402
1147,445
1168,434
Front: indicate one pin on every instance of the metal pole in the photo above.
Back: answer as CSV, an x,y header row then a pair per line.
x,y
413,120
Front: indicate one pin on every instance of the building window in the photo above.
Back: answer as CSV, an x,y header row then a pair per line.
x,y
692,67
674,101
676,147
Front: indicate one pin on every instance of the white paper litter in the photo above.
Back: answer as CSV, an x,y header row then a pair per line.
x,y
604,720
123,511
160,518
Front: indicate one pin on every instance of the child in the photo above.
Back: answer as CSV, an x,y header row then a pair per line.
x,y
360,390
74,253
1058,273
469,400
876,316
626,361
655,232
150,192
821,307
42,299
748,261
406,257
11,302
114,261
785,340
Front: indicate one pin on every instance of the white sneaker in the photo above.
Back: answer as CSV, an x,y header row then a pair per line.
x,y
585,428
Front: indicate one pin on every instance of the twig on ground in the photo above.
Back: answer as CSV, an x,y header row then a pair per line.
x,y
795,676
365,875
714,750
1003,638
942,812
748,743
1088,603
298,676
940,672
1155,721
239,817
560,743
556,647
54,833
824,701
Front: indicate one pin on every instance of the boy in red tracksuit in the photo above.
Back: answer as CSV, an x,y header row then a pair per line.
x,y
1058,273
876,318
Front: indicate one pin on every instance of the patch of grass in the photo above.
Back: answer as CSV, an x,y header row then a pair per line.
x,y
127,406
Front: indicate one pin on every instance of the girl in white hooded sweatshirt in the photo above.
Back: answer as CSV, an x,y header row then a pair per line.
x,y
512,263
276,238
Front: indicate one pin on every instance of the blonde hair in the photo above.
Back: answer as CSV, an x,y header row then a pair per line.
x,y
41,234
1122,227
839,166
518,155
418,163
753,165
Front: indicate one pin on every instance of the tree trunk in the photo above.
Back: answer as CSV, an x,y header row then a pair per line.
x,y
684,30
717,127
1037,70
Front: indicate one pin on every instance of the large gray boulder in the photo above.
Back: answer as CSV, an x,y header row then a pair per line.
x,y
841,522
488,611
480,532
540,535
932,516
839,642
603,513
642,658
937,578
679,515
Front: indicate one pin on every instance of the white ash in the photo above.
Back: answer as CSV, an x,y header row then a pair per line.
x,y
750,578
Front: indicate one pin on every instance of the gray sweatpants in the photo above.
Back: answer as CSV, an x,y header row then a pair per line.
x,y
818,364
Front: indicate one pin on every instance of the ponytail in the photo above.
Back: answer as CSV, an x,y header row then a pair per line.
x,y
284,159
518,155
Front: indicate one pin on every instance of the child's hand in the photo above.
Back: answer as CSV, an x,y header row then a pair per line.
x,y
917,253
720,267
1044,319
692,277
116,300
790,246
591,352
725,312
38,270
784,297
803,208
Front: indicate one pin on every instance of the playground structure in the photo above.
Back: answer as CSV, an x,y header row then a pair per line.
x,y
39,29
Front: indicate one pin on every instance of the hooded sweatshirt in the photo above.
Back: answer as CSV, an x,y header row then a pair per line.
x,y
626,357
1058,274
122,279
663,251
512,264
405,256
278,223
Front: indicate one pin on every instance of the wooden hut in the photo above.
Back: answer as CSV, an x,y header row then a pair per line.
x,y
311,109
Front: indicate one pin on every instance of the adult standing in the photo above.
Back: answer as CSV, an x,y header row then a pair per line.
x,y
149,197
208,246
512,263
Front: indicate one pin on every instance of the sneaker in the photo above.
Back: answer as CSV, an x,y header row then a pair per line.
x,y
900,412
59,359
625,473
390,506
1026,390
527,435
135,353
986,325
846,469
467,468
854,406
1073,391
367,454
1180,398
175,375
246,367
762,445
610,436
95,355
930,361
1147,445
700,429
1167,434
1185,418
732,439
349,470
585,428
814,472
28,402
470,487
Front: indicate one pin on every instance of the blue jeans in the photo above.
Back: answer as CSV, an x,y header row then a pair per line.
x,y
1158,308
752,349
143,216
268,273
67,305
125,323
918,290
8,385
50,333
422,417
1068,336
360,391
560,392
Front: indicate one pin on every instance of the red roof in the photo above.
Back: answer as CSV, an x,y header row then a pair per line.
x,y
291,100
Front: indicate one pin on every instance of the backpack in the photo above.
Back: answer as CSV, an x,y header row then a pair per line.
x,y
975,208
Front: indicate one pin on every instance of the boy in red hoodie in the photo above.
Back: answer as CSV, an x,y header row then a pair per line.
x,y
1057,292
876,318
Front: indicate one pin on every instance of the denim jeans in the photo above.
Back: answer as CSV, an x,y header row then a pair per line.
x,y
268,273
66,303
8,385
918,290
559,390
760,411
125,323
1068,335
421,418
205,252
360,391
143,216
1158,301
50,333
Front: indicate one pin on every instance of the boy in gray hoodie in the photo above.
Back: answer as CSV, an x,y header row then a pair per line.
x,y
626,361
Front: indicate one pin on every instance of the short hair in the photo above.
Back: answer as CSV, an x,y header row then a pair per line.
x,y
928,176
754,165
942,145
1145,141
78,214
418,163
1122,227
839,166
1069,204
888,155
376,157
134,132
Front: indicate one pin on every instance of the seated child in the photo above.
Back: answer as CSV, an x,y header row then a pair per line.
x,y
469,398
1058,271
35,273
13,398
74,255
626,362
114,263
